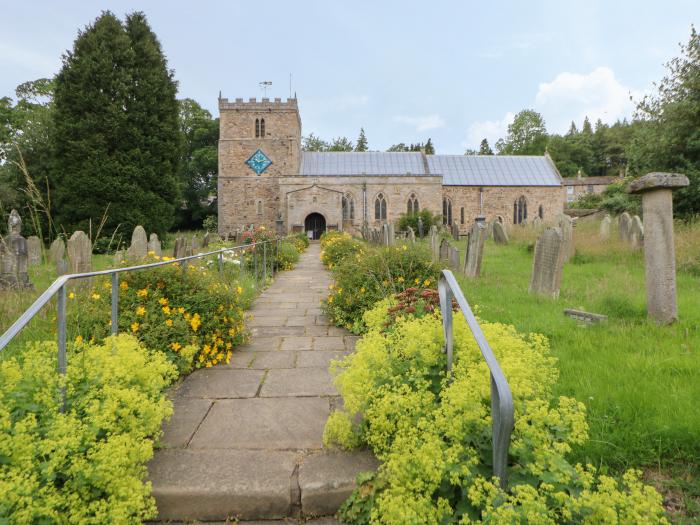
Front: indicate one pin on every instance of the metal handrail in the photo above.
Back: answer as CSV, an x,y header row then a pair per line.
x,y
58,288
502,413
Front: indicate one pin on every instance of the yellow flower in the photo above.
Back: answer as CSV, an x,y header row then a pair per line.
x,y
181,310
405,247
195,322
166,310
186,316
79,340
362,290
417,281
231,331
134,327
169,322
151,253
71,295
208,365
426,282
140,310
229,346
143,292
330,299
106,286
206,349
124,285
95,296
400,279
201,358
239,290
175,346
331,286
163,301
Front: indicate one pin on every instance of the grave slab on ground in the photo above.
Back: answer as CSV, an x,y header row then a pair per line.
x,y
245,439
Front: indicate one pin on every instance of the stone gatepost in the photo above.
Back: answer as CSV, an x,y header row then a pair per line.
x,y
659,252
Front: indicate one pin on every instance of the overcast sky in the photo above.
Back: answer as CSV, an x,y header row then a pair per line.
x,y
405,71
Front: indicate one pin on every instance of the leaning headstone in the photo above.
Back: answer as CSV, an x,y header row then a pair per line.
x,y
635,233
475,250
444,250
434,243
453,257
548,263
139,244
57,253
392,234
624,226
79,253
605,228
195,245
154,245
205,240
420,227
411,235
14,256
455,231
499,233
34,250
567,235
179,249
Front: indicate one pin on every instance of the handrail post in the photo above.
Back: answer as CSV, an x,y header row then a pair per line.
x,y
277,253
115,304
255,264
61,321
264,263
446,308
221,262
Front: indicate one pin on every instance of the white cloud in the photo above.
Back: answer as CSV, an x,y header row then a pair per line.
x,y
425,123
573,96
18,56
491,130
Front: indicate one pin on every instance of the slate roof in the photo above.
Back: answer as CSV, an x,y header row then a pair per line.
x,y
456,170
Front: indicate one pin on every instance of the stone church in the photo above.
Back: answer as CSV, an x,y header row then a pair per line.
x,y
265,179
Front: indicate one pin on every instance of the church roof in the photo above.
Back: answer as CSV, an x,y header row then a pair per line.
x,y
456,170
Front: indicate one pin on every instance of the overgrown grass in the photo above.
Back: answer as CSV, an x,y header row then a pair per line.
x,y
639,381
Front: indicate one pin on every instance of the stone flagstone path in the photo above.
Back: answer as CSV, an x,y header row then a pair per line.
x,y
245,440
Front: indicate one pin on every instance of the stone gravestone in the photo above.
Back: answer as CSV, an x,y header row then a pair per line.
x,y
179,249
499,233
455,231
57,253
536,222
392,234
14,256
205,240
624,226
635,233
444,250
119,257
420,227
154,245
411,235
548,263
566,228
139,244
434,243
34,250
79,253
453,257
605,228
194,246
475,250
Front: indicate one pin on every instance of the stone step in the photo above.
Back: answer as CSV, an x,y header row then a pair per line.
x,y
210,485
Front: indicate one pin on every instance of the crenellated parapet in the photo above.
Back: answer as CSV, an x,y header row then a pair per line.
x,y
253,104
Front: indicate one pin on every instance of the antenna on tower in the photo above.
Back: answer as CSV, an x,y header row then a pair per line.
x,y
290,85
264,85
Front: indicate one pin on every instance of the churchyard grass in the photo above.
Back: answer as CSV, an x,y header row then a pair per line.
x,y
638,380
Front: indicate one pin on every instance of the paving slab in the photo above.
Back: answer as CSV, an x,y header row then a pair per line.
x,y
297,343
328,478
329,343
219,484
270,424
267,360
317,359
221,382
261,344
188,414
298,382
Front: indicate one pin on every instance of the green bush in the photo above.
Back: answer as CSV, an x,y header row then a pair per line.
x,y
211,223
287,255
336,246
192,315
433,435
411,220
373,274
301,241
86,464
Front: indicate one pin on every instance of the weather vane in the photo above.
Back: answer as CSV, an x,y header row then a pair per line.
x,y
264,85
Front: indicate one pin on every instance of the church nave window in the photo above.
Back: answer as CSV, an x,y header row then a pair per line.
x,y
446,211
348,205
380,208
519,210
412,207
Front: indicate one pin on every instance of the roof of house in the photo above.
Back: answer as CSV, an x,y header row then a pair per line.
x,y
456,170
584,181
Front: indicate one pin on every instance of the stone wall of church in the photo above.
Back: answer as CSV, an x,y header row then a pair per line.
x,y
494,201
247,200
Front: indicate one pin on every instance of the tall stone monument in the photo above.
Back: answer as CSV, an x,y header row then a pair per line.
x,y
566,226
475,250
434,243
659,250
139,244
623,227
34,250
548,263
444,250
179,250
499,233
14,256
420,227
605,228
455,231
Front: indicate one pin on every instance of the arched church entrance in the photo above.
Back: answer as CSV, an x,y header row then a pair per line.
x,y
316,224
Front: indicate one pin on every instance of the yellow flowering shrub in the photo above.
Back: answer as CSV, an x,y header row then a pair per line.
x,y
433,435
172,310
287,254
86,465
336,246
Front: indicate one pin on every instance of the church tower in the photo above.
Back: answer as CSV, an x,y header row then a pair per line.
x,y
259,142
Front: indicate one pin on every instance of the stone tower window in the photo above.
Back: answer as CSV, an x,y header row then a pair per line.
x,y
380,208
412,206
461,215
262,127
348,204
257,128
540,212
519,210
446,211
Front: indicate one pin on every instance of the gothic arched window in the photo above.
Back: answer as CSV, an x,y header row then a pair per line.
x,y
348,207
257,128
446,211
519,210
412,206
461,215
540,212
380,208
262,127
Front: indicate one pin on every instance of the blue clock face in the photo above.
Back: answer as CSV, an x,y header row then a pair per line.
x,y
258,162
